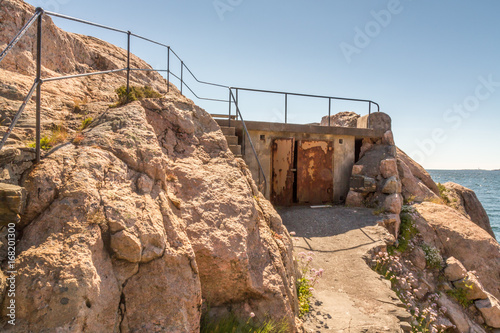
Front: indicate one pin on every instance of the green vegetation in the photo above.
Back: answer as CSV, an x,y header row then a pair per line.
x,y
85,123
432,256
135,94
58,134
307,278
460,294
442,193
304,294
407,231
231,324
379,211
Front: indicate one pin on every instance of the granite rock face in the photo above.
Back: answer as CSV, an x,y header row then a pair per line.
x,y
466,202
143,221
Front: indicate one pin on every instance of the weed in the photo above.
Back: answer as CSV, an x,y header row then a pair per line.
x,y
308,277
85,123
424,315
460,294
44,143
134,94
78,139
379,211
409,200
442,193
231,324
58,134
432,256
407,230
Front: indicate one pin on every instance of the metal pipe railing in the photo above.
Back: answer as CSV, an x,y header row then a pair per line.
x,y
261,170
232,98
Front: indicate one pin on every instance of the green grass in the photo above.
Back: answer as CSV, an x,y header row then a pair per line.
x,y
442,193
407,231
85,123
135,94
460,295
231,324
304,295
58,134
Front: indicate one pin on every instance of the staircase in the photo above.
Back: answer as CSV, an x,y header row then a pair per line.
x,y
232,140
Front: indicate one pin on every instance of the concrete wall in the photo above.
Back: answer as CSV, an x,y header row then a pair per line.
x,y
343,157
263,135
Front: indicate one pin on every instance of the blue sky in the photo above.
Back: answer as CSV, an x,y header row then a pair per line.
x,y
433,66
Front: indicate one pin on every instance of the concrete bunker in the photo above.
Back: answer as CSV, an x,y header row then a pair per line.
x,y
302,164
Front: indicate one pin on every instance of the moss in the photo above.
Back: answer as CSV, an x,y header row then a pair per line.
x,y
134,94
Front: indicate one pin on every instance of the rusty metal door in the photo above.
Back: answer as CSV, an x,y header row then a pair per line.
x,y
314,171
282,172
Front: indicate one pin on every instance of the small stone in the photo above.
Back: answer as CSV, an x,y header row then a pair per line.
x,y
475,289
145,184
417,258
389,168
393,203
388,138
392,185
354,199
490,310
126,246
454,269
357,169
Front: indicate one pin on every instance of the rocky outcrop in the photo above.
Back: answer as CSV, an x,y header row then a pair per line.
x,y
63,53
456,236
341,119
12,203
466,202
145,219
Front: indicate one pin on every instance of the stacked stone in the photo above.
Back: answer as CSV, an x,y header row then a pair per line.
x,y
375,178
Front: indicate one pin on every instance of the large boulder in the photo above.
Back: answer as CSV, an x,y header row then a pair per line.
x,y
145,219
417,171
341,119
457,236
466,202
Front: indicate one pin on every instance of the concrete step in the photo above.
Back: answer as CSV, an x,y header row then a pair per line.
x,y
235,149
232,140
228,130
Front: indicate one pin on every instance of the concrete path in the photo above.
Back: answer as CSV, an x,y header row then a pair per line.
x,y
350,297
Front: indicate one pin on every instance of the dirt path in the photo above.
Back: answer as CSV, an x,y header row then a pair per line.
x,y
350,297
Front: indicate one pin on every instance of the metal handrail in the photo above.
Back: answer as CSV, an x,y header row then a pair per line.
x,y
18,114
286,94
232,99
249,139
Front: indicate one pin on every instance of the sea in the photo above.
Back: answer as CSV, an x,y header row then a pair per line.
x,y
485,183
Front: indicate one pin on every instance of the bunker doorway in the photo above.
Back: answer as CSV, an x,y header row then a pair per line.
x,y
302,172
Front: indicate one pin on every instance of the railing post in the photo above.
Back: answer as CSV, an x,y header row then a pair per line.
x,y
128,64
230,102
39,86
286,107
329,110
168,69
182,74
236,103
369,114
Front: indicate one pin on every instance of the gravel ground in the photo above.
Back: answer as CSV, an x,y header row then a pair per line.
x,y
350,297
